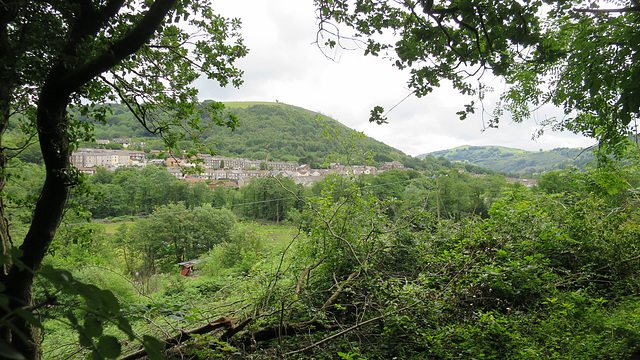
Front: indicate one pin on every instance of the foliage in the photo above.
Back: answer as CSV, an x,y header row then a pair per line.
x,y
88,311
269,199
540,275
239,255
469,288
133,191
577,56
23,189
173,234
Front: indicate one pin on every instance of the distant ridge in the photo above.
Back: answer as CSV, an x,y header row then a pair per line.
x,y
517,161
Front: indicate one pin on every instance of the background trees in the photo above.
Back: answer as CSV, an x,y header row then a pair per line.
x,y
269,199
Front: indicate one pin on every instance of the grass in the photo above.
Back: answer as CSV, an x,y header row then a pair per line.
x,y
280,234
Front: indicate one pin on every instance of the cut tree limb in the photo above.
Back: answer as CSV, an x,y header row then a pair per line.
x,y
223,322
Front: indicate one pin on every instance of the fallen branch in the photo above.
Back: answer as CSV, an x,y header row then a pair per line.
x,y
353,328
234,330
223,322
337,293
335,335
273,332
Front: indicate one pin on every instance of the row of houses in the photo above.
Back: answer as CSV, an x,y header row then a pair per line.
x,y
113,159
225,162
301,175
87,158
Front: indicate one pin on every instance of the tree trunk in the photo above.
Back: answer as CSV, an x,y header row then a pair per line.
x,y
55,95
51,122
5,239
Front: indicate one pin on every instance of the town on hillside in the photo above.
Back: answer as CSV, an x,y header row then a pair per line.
x,y
217,170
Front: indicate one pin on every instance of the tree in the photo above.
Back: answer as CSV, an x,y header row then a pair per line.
x,y
269,198
174,234
582,59
58,55
198,194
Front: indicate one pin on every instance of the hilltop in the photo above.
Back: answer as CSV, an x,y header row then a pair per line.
x,y
517,161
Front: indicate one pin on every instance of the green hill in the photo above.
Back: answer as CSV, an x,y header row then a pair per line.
x,y
515,160
273,131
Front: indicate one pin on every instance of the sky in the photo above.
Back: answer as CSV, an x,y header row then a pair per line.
x,y
284,64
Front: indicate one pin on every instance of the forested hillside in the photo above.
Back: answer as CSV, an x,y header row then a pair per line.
x,y
517,161
272,131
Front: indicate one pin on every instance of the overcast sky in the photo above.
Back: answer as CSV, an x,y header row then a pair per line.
x,y
284,64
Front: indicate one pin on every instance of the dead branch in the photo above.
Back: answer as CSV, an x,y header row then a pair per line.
x,y
223,322
273,332
355,327
234,330
338,291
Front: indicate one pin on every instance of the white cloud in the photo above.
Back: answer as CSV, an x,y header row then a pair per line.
x,y
283,64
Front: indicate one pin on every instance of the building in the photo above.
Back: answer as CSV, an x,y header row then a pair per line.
x,y
390,165
109,159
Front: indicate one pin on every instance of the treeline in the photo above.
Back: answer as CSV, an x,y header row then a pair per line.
x,y
136,192
139,191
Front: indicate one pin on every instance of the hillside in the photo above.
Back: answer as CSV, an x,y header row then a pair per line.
x,y
515,160
289,133
273,131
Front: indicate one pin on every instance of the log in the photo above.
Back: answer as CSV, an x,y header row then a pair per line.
x,y
223,322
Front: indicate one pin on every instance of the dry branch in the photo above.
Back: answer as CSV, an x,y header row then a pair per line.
x,y
274,332
337,293
223,322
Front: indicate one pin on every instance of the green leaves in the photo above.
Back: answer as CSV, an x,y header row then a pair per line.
x,y
153,347
553,52
109,347
92,327
101,310
377,115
